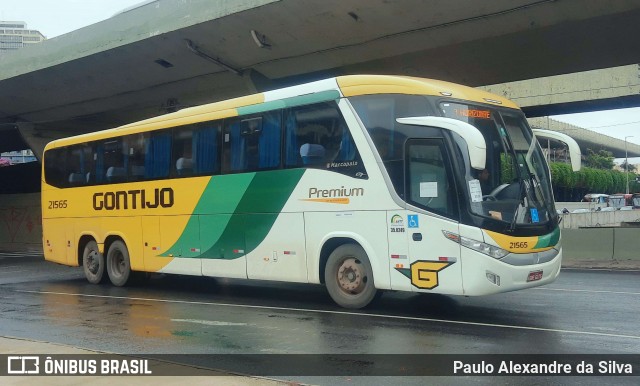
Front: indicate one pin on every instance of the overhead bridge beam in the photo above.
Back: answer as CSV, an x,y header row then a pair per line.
x,y
596,90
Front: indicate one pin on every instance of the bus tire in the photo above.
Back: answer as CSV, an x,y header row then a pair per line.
x,y
118,264
349,277
93,263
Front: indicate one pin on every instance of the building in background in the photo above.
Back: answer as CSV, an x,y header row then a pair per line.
x,y
15,35
17,157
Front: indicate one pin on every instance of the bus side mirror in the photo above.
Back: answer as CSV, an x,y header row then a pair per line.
x,y
475,141
574,150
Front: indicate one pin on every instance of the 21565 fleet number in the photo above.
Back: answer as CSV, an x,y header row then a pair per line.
x,y
58,204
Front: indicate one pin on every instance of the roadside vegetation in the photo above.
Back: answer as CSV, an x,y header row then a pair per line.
x,y
596,176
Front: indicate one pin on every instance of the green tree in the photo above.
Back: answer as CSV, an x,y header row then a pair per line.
x,y
601,160
624,166
572,186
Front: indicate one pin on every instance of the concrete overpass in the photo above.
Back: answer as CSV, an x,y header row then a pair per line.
x,y
588,139
172,53
168,54
605,89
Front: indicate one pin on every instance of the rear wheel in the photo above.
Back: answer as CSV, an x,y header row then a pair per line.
x,y
118,264
93,263
349,277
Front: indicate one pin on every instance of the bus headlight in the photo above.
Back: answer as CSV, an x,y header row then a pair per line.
x,y
489,250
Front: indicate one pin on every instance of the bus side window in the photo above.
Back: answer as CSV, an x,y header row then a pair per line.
x,y
206,150
182,156
306,133
253,143
156,154
269,141
196,149
76,165
56,172
235,144
115,160
315,135
137,145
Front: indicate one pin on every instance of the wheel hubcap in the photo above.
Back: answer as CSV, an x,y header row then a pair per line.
x,y
351,276
118,263
93,262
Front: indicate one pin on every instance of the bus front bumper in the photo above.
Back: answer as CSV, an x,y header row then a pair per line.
x,y
483,275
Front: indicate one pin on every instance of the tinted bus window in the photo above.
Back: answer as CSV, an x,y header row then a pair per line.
x,y
253,143
55,171
196,149
317,135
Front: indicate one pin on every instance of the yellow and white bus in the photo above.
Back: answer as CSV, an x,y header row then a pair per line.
x,y
361,183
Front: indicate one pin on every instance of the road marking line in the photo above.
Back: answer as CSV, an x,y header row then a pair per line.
x,y
600,269
590,291
21,254
340,313
209,322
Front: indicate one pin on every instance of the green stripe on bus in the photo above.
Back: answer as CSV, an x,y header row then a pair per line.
x,y
235,213
316,97
256,213
221,196
549,240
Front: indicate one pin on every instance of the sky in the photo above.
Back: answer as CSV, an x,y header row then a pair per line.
x,y
619,123
614,123
57,17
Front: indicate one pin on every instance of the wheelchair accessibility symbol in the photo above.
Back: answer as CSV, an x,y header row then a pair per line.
x,y
412,219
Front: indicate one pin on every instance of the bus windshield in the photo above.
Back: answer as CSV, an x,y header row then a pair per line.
x,y
514,186
513,189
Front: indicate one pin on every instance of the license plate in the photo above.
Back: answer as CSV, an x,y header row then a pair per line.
x,y
535,275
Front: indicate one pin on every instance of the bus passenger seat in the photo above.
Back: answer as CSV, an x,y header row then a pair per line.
x,y
76,179
115,174
184,166
312,154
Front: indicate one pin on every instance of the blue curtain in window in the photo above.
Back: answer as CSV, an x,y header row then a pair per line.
x,y
347,147
269,143
100,172
148,157
292,148
157,155
205,150
161,154
123,147
239,160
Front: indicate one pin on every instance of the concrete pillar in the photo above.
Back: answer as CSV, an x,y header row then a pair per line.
x,y
33,138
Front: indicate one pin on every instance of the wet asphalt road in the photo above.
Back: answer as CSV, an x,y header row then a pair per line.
x,y
584,312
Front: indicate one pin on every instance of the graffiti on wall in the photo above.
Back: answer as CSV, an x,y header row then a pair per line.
x,y
20,220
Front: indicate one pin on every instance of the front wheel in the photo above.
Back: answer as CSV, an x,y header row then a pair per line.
x,y
93,263
349,277
118,264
